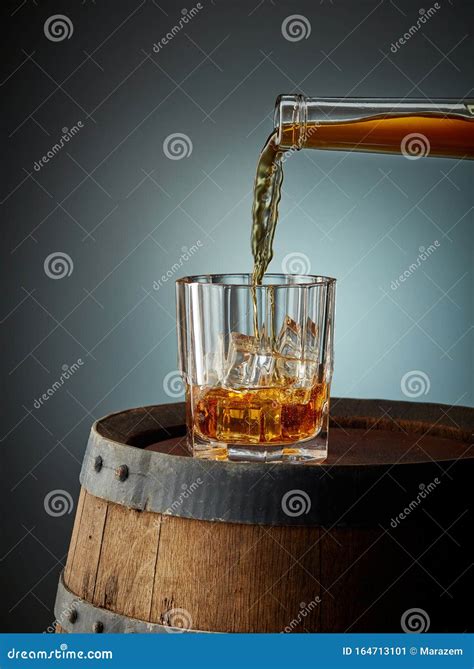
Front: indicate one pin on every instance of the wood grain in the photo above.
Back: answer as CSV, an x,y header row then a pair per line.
x,y
127,562
75,533
234,577
230,577
250,578
83,562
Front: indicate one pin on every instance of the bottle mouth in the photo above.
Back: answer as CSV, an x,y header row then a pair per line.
x,y
290,115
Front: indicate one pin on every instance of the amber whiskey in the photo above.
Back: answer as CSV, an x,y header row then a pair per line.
x,y
260,416
414,136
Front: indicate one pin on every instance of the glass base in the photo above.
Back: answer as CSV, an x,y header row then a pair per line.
x,y
312,450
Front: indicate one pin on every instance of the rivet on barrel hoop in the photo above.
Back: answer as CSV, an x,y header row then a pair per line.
x,y
121,472
98,627
98,462
72,616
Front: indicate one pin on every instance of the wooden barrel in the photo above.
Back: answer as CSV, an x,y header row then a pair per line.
x,y
373,540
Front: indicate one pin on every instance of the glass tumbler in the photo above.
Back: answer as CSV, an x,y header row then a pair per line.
x,y
257,364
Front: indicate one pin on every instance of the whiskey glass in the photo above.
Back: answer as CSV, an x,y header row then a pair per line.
x,y
257,364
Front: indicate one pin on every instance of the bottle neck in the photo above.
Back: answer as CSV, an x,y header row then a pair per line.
x,y
297,117
291,120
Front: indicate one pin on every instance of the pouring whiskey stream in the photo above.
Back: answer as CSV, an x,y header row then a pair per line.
x,y
256,350
414,128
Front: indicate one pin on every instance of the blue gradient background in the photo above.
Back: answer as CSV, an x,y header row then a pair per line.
x,y
359,218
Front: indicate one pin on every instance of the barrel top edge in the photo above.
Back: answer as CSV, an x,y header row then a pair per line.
x,y
103,429
334,402
402,403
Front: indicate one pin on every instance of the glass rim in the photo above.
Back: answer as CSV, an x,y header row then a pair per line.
x,y
312,281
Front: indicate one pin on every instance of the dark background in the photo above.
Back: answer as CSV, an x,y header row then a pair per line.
x,y
124,213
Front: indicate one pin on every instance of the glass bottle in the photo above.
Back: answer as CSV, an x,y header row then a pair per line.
x,y
412,127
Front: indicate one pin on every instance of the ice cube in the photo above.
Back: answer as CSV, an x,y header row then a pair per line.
x,y
311,352
288,341
289,351
297,352
311,343
247,364
237,421
214,363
